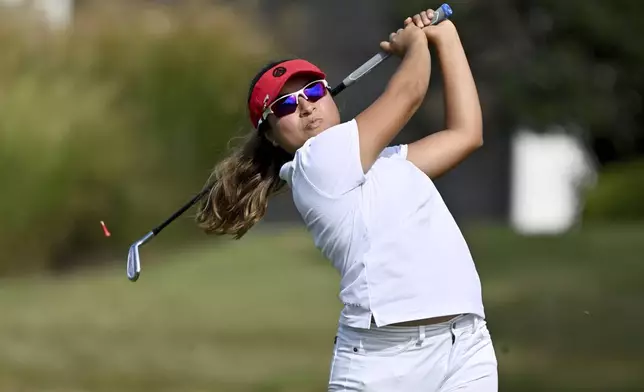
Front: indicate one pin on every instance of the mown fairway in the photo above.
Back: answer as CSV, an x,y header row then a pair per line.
x,y
260,315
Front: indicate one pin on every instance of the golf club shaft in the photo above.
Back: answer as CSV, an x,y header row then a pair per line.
x,y
183,209
442,13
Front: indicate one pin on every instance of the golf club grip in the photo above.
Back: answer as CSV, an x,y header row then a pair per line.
x,y
442,13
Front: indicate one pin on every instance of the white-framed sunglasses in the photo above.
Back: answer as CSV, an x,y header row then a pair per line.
x,y
287,103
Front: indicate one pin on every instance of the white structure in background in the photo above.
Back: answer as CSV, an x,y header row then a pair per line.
x,y
548,173
57,13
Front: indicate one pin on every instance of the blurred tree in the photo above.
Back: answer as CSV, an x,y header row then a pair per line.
x,y
540,62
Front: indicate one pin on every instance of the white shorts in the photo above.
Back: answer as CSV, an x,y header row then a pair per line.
x,y
454,355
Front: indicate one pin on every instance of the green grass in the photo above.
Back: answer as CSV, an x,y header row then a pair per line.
x,y
566,313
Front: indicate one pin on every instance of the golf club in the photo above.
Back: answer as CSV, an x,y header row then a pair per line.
x,y
133,258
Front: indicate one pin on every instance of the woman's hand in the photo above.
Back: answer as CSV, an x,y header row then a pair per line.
x,y
402,40
444,32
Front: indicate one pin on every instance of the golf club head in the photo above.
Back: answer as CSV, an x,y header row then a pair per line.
x,y
133,259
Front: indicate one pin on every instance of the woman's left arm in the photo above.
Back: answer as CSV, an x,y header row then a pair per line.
x,y
441,151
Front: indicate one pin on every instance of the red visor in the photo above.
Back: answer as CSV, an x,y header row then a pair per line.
x,y
270,84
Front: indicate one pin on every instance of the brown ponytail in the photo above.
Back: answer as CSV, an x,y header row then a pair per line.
x,y
243,183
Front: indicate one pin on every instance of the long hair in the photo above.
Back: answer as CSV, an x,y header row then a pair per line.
x,y
243,181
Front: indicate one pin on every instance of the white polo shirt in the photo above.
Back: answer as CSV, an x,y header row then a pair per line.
x,y
399,252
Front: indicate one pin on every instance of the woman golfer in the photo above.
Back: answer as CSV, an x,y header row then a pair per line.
x,y
413,317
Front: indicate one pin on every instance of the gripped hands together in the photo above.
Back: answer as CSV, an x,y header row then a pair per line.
x,y
400,41
403,39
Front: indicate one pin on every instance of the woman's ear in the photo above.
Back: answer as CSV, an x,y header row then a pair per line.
x,y
268,137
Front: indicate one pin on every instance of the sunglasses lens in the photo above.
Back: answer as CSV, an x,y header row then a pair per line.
x,y
285,106
288,104
315,91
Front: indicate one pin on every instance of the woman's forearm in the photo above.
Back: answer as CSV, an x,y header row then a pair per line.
x,y
411,80
462,106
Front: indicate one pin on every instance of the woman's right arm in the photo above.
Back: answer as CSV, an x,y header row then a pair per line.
x,y
383,120
441,151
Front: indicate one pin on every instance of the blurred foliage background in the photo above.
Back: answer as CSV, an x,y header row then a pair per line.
x,y
116,120
121,115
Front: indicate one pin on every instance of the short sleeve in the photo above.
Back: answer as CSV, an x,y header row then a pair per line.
x,y
398,151
330,161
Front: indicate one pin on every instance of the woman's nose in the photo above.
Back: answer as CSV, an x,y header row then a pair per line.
x,y
306,107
